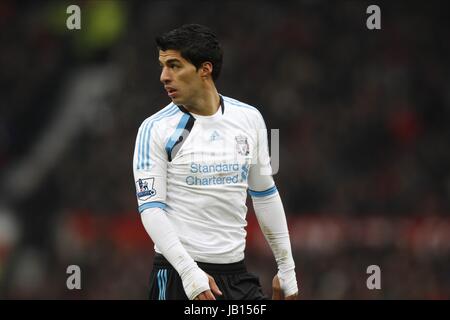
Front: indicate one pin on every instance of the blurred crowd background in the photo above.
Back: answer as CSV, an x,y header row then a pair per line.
x,y
364,156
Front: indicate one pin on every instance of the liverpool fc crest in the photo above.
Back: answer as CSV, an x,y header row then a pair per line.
x,y
242,146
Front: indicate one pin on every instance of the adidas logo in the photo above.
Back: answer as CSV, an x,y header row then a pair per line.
x,y
215,136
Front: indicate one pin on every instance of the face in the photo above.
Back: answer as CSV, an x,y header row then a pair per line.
x,y
181,80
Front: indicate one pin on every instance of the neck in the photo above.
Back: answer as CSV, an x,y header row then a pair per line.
x,y
206,104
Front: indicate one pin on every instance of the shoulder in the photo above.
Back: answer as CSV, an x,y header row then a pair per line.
x,y
161,119
239,105
243,109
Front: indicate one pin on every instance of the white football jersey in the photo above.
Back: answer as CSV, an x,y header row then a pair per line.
x,y
198,169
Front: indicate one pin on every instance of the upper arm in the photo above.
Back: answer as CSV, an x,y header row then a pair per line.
x,y
260,179
150,167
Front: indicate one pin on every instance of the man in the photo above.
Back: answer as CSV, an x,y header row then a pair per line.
x,y
198,156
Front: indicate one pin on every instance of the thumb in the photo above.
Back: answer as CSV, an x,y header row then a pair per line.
x,y
277,293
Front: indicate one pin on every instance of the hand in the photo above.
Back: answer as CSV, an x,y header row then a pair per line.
x,y
208,294
278,294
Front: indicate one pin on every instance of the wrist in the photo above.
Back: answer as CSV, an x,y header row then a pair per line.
x,y
195,281
288,282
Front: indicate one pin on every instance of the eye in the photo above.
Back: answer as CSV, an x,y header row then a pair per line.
x,y
174,66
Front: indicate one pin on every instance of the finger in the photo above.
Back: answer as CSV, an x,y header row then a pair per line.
x,y
209,295
200,296
276,283
206,295
214,288
197,297
277,293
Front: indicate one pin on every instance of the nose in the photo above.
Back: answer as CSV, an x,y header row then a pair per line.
x,y
165,76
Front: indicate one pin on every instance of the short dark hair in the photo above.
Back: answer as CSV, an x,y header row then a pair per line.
x,y
196,44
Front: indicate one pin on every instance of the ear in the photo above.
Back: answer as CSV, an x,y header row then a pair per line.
x,y
206,69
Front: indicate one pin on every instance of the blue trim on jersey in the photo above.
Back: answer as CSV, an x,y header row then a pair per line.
x,y
158,277
143,131
164,284
178,131
161,277
144,138
145,164
154,204
239,104
265,193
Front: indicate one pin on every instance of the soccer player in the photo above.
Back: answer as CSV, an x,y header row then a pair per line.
x,y
193,163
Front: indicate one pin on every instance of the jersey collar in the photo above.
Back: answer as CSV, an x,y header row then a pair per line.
x,y
222,106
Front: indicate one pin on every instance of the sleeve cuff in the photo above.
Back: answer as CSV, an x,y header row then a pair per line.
x,y
259,194
154,204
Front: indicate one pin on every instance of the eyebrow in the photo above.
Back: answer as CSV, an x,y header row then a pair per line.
x,y
170,61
